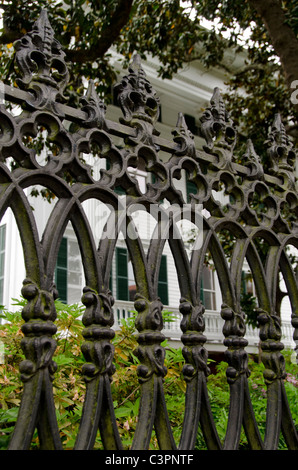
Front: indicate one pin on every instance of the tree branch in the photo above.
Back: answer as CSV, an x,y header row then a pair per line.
x,y
283,38
8,37
107,37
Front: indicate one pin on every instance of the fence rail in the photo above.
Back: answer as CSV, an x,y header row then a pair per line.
x,y
262,212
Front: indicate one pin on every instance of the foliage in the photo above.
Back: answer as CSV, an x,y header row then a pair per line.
x,y
69,386
173,31
257,89
86,29
249,306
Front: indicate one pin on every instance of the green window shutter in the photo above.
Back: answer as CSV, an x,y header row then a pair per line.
x,y
119,190
122,274
163,281
202,297
2,259
61,271
190,188
111,281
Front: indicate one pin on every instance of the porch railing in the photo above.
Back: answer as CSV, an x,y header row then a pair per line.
x,y
214,324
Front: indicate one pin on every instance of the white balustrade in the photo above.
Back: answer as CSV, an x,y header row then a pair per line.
x,y
213,326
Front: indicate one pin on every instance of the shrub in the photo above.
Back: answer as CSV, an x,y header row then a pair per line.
x,y
69,386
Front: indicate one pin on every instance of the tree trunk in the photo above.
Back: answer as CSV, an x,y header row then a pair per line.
x,y
283,38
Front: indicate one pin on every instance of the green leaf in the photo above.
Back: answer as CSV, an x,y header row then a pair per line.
x,y
62,360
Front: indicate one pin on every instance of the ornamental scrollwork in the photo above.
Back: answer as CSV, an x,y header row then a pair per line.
x,y
193,339
234,330
38,344
149,324
41,64
216,127
97,348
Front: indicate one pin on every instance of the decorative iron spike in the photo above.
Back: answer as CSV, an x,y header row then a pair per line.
x,y
217,104
253,161
136,65
184,138
279,129
44,30
136,96
41,63
216,127
281,154
93,106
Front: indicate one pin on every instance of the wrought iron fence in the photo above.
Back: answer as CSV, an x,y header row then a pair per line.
x,y
43,76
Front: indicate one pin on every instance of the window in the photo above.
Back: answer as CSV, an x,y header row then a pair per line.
x,y
163,281
61,271
122,274
68,272
2,260
125,282
126,286
208,288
